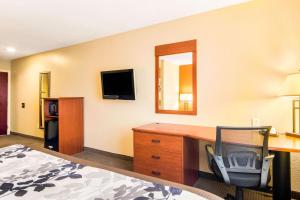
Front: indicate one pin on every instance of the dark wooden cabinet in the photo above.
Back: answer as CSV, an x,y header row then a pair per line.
x,y
70,124
171,157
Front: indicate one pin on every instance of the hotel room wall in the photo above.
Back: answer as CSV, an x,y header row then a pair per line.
x,y
243,54
4,65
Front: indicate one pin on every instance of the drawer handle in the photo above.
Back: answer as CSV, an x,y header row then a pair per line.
x,y
155,141
155,157
155,173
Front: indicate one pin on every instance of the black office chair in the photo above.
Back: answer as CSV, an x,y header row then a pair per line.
x,y
243,165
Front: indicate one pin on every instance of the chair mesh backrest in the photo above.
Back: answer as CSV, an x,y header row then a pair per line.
x,y
242,148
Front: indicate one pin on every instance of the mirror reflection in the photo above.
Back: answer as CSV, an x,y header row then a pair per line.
x,y
175,91
44,92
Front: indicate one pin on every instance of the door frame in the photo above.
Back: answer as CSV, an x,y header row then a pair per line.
x,y
8,100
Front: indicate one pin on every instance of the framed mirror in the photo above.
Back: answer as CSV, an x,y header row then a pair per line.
x,y
175,78
44,92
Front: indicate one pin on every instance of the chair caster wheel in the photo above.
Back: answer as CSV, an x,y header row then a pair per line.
x,y
229,197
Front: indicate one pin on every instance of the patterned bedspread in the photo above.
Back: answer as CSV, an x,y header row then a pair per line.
x,y
33,175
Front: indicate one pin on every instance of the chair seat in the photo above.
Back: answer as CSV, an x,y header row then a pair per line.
x,y
239,179
244,180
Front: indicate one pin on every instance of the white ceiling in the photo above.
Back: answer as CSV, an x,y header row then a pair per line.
x,y
33,26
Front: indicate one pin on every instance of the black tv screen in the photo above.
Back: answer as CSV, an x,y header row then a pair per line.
x,y
118,84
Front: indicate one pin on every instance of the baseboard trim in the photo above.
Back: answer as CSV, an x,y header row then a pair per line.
x,y
295,195
25,135
110,154
210,176
106,153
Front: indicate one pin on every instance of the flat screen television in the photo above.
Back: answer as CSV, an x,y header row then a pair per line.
x,y
118,84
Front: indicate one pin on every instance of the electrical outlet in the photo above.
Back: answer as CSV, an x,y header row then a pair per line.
x,y
255,121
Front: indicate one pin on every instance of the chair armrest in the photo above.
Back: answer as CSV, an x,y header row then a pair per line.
x,y
210,155
265,170
209,150
219,161
269,157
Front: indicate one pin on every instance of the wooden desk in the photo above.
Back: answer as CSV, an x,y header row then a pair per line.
x,y
281,146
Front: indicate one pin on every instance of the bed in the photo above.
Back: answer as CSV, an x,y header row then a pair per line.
x,y
36,173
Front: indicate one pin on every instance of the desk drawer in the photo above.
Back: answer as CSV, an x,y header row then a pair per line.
x,y
159,170
159,164
166,152
165,143
158,157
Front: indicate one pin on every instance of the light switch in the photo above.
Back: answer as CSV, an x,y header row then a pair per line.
x,y
255,121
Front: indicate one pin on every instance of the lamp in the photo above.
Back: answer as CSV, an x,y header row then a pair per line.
x,y
186,98
292,88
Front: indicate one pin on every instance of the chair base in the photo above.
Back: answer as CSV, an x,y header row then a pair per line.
x,y
229,197
239,195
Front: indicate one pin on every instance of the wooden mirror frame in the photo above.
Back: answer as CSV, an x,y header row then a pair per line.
x,y
176,48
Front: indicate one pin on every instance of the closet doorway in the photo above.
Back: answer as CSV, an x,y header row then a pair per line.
x,y
3,102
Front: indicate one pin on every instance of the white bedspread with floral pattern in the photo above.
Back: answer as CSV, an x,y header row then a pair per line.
x,y
33,175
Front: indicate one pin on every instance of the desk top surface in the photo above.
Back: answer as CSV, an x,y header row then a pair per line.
x,y
276,143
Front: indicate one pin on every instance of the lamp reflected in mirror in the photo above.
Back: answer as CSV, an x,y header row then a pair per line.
x,y
187,100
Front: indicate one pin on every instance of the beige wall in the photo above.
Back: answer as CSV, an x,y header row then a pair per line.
x,y
4,65
243,54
